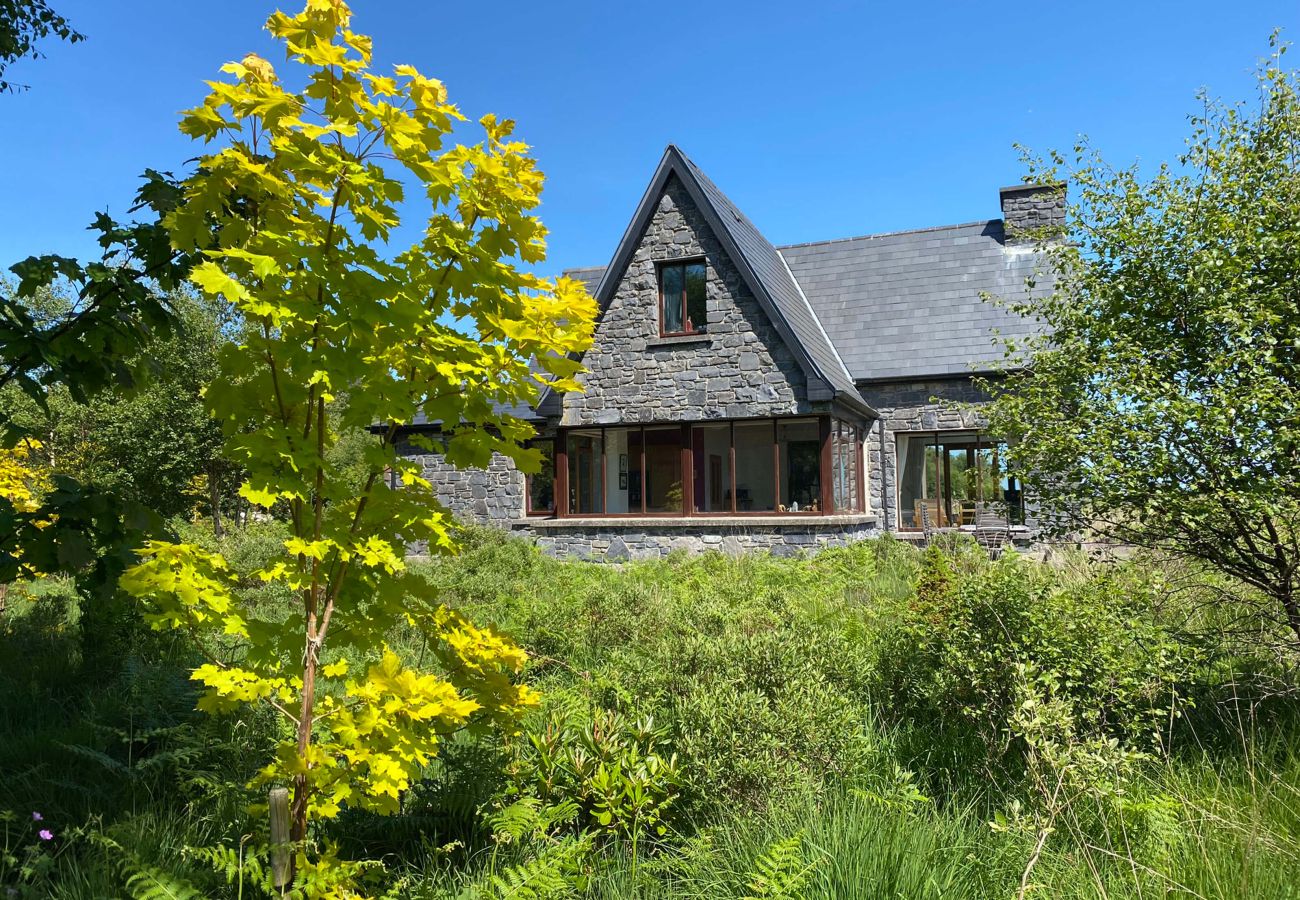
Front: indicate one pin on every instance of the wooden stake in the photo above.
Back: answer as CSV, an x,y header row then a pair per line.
x,y
281,872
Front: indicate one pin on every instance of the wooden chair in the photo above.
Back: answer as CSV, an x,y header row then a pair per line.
x,y
927,526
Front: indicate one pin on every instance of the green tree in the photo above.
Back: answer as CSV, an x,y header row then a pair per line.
x,y
155,445
345,332
23,24
94,341
1163,409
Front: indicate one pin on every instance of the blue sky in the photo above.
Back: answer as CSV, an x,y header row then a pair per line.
x,y
820,120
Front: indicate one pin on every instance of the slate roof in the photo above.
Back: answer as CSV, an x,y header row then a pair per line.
x,y
906,304
909,304
880,307
588,275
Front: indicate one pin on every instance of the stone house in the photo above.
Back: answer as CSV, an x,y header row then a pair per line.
x,y
745,396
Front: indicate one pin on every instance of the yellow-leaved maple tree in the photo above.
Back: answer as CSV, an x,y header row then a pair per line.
x,y
295,212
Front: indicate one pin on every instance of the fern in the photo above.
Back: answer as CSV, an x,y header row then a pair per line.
x,y
235,867
528,817
781,872
559,871
144,881
90,754
536,879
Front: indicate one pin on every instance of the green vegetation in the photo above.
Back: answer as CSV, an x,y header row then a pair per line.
x,y
870,722
1162,410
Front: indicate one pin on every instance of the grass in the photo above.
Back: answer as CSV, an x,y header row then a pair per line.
x,y
765,678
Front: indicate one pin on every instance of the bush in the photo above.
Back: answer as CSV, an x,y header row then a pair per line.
x,y
980,641
860,698
757,667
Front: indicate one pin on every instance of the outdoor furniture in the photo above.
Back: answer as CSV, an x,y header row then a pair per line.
x,y
934,509
927,527
966,515
992,529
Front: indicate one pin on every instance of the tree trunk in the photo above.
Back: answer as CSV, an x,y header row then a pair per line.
x,y
301,787
214,499
1286,594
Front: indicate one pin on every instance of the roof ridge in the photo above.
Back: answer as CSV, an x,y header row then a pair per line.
x,y
843,240
882,234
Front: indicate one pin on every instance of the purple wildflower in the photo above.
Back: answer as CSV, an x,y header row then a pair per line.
x,y
46,834
37,817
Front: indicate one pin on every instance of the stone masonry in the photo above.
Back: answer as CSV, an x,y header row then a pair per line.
x,y
491,496
615,542
917,406
739,367
1032,211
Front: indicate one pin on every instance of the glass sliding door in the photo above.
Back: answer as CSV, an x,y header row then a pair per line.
x,y
755,466
621,497
799,446
806,465
950,477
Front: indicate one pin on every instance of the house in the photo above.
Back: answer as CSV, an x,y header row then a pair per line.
x,y
745,396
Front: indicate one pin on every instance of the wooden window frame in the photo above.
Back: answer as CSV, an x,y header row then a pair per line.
x,y
700,328
827,426
943,442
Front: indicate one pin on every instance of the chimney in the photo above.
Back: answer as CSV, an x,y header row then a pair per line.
x,y
1032,212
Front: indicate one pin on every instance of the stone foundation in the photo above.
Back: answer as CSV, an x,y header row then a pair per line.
x,y
617,540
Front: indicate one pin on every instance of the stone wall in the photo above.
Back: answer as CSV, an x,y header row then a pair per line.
x,y
914,406
491,496
738,368
616,541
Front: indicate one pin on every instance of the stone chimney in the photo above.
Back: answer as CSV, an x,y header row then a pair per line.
x,y
1032,212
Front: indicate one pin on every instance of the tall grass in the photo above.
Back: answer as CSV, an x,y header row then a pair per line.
x,y
768,677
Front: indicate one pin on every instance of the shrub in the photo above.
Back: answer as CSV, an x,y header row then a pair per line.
x,y
980,639
616,771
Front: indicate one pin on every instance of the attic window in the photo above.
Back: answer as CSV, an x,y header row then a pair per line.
x,y
681,298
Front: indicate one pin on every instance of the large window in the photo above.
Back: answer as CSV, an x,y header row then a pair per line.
x,y
754,466
586,472
756,488
949,477
664,484
846,452
712,466
800,453
682,303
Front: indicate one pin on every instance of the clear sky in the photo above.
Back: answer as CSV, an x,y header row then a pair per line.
x,y
819,119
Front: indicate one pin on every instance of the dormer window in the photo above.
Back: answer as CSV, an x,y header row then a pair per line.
x,y
681,298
